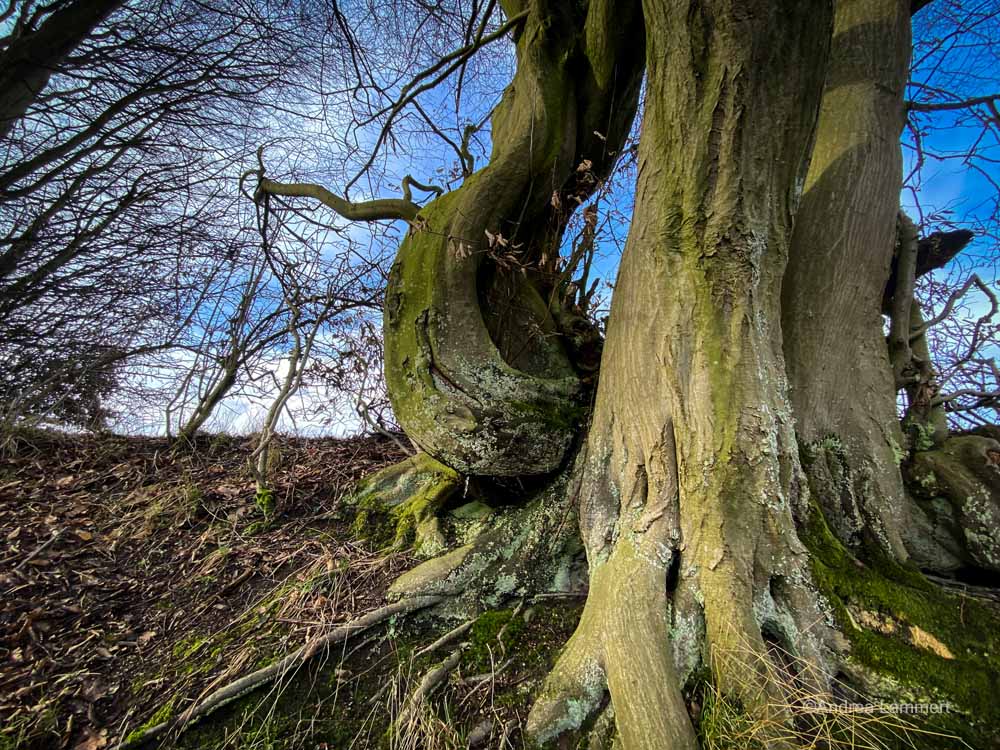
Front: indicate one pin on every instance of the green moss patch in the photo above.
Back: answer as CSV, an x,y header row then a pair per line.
x,y
398,506
969,630
492,637
349,696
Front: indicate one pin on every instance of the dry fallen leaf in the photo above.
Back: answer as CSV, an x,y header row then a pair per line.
x,y
93,690
84,535
93,741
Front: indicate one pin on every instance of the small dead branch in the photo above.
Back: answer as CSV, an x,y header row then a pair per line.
x,y
517,611
953,299
40,549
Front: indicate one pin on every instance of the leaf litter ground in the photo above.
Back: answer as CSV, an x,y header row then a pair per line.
x,y
131,573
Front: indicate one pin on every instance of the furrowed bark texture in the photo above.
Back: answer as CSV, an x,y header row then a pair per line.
x,y
474,367
850,263
843,388
691,459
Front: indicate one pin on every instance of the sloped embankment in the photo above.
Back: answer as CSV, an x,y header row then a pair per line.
x,y
134,577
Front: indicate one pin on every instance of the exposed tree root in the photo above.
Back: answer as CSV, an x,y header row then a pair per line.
x,y
621,643
907,637
447,638
747,617
958,486
624,677
630,633
411,493
234,690
527,549
432,678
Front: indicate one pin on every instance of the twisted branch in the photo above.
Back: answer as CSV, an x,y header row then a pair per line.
x,y
379,209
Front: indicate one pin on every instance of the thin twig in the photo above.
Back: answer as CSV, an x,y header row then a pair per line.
x,y
40,549
447,637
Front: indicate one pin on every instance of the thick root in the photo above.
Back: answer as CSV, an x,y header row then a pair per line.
x,y
908,638
527,550
411,493
622,644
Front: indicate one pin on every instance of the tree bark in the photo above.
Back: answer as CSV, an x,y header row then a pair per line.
x,y
691,461
475,367
842,247
206,405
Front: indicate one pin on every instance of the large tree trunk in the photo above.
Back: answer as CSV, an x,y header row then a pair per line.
x,y
474,365
851,262
841,384
691,460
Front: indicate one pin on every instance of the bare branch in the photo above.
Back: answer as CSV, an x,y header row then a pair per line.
x,y
450,62
953,299
373,210
943,106
985,398
28,63
408,181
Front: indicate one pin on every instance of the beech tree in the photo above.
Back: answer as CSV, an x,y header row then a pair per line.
x,y
737,470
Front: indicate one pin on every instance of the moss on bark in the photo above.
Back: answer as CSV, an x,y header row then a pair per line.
x,y
475,365
690,476
399,505
897,622
958,487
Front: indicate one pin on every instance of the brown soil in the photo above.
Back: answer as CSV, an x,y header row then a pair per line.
x,y
123,562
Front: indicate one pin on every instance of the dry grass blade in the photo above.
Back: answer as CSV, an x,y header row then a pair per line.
x,y
806,716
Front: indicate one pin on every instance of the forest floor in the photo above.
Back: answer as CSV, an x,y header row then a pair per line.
x,y
119,557
136,579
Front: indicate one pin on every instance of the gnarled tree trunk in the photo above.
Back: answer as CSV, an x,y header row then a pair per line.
x,y
474,366
691,461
